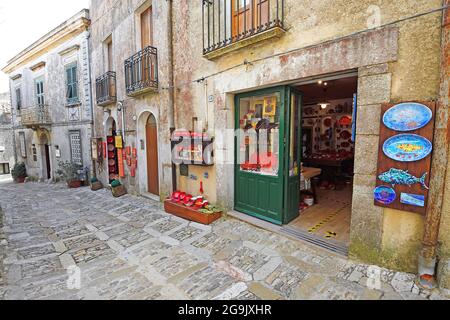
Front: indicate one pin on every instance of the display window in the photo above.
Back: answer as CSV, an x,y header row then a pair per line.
x,y
259,123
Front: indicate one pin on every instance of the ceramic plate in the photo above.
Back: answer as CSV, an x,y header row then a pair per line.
x,y
407,148
385,195
407,117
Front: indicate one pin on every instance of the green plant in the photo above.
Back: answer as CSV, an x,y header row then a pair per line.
x,y
69,170
19,171
94,180
115,183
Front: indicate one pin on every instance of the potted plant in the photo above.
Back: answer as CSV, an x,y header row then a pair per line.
x,y
117,189
95,184
19,172
69,171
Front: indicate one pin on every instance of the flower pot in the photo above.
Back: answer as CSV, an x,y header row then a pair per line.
x,y
74,184
20,180
118,191
95,186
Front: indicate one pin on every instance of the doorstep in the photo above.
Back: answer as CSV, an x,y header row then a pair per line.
x,y
329,246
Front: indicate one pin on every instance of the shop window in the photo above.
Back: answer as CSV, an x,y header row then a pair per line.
x,y
75,147
259,135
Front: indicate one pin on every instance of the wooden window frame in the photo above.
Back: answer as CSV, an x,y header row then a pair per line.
x,y
72,86
18,98
39,90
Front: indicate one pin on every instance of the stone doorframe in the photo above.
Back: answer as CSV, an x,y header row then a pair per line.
x,y
44,138
141,145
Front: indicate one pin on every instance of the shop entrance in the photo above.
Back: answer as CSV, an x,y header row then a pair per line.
x,y
295,155
327,152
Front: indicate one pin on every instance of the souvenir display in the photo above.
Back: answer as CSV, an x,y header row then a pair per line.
x,y
254,159
407,147
413,199
407,117
401,177
112,158
193,208
404,159
385,195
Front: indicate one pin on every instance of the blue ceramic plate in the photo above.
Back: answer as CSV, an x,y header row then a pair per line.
x,y
413,199
407,117
407,148
385,195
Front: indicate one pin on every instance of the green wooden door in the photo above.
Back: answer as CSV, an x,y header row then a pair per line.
x,y
292,154
259,154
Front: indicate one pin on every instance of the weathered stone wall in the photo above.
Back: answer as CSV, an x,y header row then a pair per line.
x,y
396,63
120,20
444,235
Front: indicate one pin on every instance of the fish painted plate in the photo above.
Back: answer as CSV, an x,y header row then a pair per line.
x,y
407,148
385,195
407,117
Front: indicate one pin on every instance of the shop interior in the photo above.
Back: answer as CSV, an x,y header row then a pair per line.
x,y
327,156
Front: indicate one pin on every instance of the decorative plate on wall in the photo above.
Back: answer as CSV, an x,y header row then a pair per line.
x,y
407,148
345,135
407,117
385,195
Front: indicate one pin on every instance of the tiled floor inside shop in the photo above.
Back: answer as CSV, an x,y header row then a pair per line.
x,y
330,217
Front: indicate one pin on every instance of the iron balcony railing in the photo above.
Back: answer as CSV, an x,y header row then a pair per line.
x,y
229,21
141,72
105,88
38,115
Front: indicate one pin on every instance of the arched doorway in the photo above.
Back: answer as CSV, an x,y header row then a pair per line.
x,y
45,156
151,130
112,155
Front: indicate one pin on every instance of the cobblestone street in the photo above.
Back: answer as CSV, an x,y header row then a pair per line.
x,y
129,248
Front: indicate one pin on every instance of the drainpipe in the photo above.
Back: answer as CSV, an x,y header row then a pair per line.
x,y
91,101
428,256
13,127
171,84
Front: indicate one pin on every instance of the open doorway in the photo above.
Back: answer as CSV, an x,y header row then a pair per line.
x,y
45,157
327,154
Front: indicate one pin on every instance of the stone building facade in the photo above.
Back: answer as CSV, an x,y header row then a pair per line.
x,y
130,67
211,54
395,57
51,99
6,137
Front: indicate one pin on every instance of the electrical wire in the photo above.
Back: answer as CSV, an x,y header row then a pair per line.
x,y
251,62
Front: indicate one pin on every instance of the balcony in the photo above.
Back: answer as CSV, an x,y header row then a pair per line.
x,y
35,116
105,88
229,25
141,72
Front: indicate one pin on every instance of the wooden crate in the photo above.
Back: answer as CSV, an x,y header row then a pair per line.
x,y
190,214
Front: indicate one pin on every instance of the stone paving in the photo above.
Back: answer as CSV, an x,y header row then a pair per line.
x,y
129,248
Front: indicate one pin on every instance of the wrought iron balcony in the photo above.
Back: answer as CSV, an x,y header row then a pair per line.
x,y
35,116
141,72
230,21
105,88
